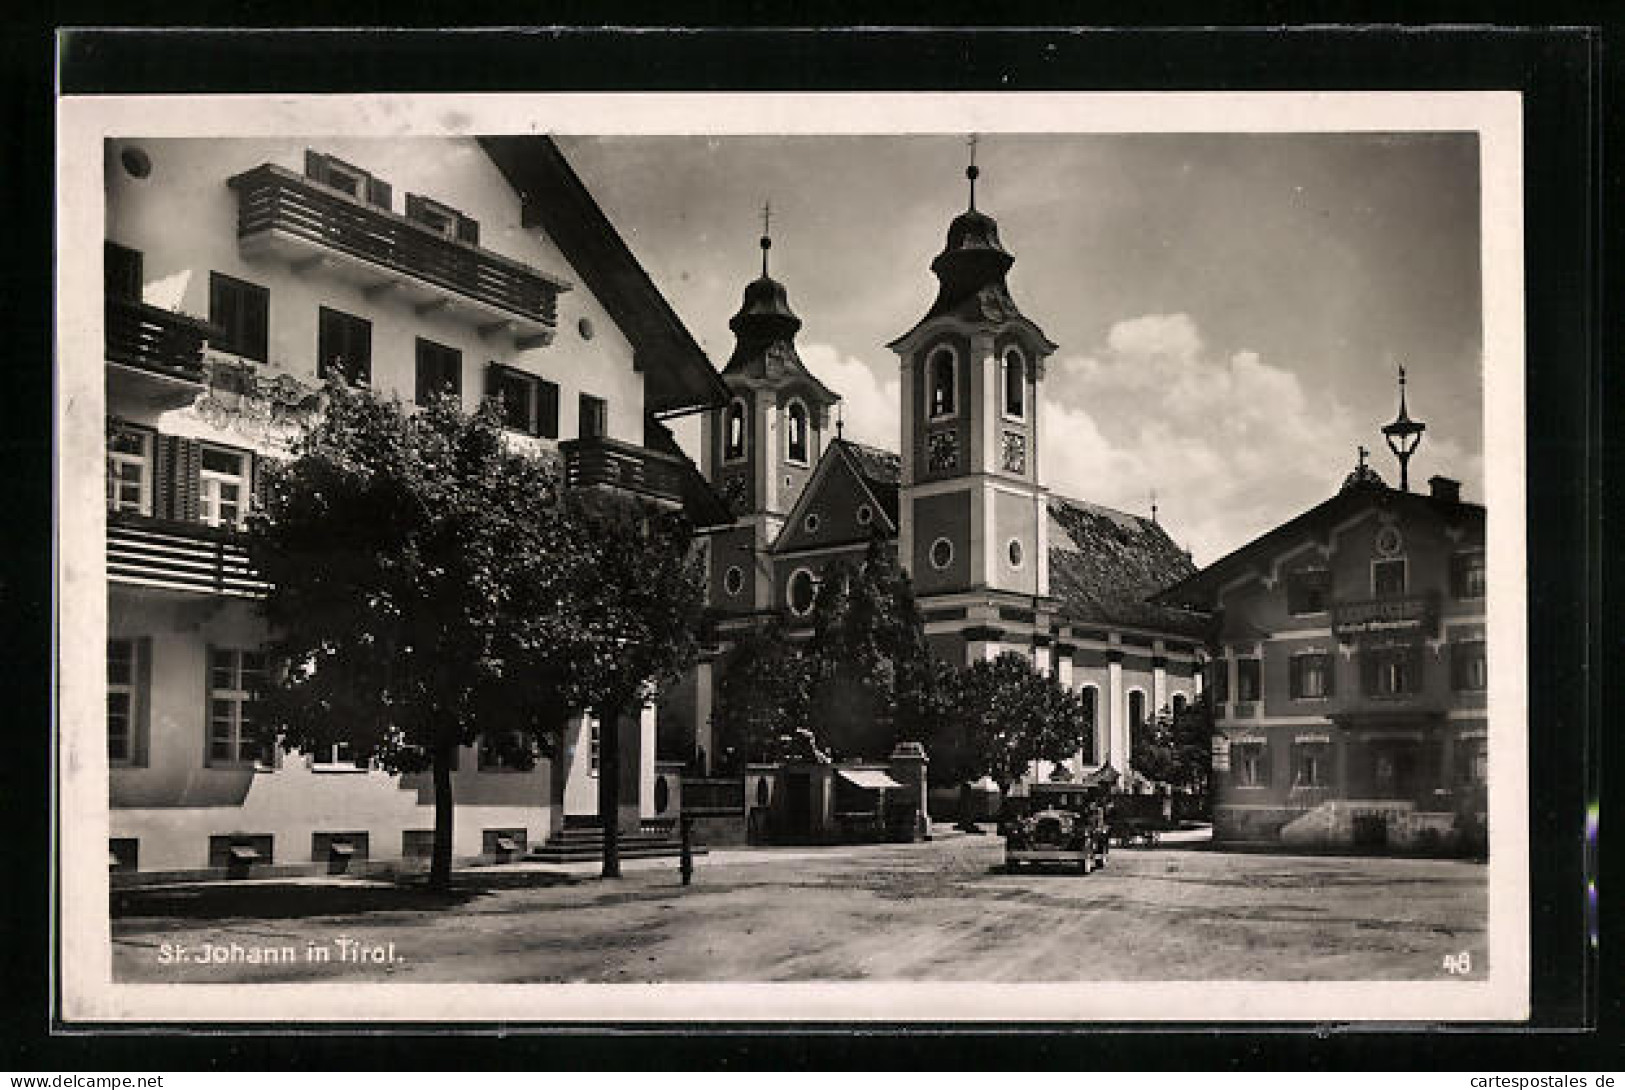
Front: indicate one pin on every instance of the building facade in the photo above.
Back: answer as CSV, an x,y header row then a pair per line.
x,y
998,563
239,273
1349,674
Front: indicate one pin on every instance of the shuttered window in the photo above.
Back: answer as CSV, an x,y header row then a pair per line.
x,y
442,218
1311,676
529,404
344,347
242,312
129,682
439,371
1469,670
347,178
1249,681
1391,671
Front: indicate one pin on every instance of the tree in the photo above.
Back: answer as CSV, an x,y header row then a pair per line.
x,y
763,700
1176,748
1005,716
870,661
630,624
411,562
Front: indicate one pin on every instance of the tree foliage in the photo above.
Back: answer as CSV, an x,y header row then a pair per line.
x,y
432,584
764,700
1003,716
1176,748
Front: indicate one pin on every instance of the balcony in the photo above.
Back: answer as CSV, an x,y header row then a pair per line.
x,y
614,464
153,355
181,556
309,224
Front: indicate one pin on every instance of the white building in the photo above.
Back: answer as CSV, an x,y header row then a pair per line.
x,y
237,273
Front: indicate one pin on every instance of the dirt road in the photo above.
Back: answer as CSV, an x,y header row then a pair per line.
x,y
937,911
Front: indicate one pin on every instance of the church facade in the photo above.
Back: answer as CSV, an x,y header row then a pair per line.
x,y
998,562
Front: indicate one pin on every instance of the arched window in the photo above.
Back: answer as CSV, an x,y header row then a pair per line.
x,y
1136,709
942,384
796,430
1089,694
1015,385
733,441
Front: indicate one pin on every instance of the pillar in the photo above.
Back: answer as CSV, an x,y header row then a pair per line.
x,y
1115,711
908,766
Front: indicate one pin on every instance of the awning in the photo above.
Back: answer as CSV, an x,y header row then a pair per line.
x,y
868,779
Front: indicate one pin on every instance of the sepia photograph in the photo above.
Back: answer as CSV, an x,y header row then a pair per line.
x,y
949,557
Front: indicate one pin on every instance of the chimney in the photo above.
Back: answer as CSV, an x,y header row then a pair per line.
x,y
1445,490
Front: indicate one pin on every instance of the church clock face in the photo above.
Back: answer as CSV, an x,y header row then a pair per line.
x,y
733,491
1015,452
944,452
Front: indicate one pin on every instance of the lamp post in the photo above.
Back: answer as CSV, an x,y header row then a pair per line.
x,y
1404,435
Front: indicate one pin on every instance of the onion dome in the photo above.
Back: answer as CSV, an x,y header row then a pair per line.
x,y
1362,475
765,329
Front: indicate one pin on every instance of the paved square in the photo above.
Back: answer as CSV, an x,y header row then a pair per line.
x,y
942,910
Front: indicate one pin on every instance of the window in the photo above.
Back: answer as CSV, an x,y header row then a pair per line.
x,y
1306,590
866,514
1250,760
1388,577
812,522
1249,680
1136,709
1472,762
346,178
595,739
1090,695
121,271
1015,385
1392,671
1311,676
129,469
242,311
796,433
942,553
733,581
529,404
733,440
344,347
1219,680
442,219
234,677
941,387
800,592
1015,553
594,417
223,487
1467,575
126,701
1309,767
439,371
1469,669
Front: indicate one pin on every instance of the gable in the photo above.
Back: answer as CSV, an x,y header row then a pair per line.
x,y
834,497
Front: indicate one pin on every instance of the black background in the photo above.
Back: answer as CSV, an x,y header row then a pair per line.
x,y
1567,78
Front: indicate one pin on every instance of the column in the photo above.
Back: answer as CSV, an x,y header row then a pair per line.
x,y
1115,714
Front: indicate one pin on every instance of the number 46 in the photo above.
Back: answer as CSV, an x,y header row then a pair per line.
x,y
1458,964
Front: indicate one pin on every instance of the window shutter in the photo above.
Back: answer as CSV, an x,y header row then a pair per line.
x,y
378,192
1368,672
186,479
163,458
547,410
468,230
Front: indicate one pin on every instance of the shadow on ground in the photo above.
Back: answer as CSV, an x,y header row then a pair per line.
x,y
274,901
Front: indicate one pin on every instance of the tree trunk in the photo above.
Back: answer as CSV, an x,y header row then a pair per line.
x,y
967,820
609,789
440,865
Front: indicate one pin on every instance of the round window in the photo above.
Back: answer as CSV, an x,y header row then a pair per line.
x,y
942,553
802,590
812,522
1016,555
733,581
584,327
136,163
866,514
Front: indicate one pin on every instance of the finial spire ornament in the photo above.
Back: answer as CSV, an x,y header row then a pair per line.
x,y
1404,435
1153,505
971,172
840,420
1364,454
767,230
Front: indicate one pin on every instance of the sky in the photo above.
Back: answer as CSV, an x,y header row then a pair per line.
x,y
1230,308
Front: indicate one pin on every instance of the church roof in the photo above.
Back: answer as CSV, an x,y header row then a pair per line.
x,y
880,469
1105,565
765,347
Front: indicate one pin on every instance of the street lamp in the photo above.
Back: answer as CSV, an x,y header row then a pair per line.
x,y
1404,435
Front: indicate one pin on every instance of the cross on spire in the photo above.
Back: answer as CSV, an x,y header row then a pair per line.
x,y
767,227
1363,455
971,172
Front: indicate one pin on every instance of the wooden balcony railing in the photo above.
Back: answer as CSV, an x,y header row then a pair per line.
x,y
610,462
155,340
185,556
273,201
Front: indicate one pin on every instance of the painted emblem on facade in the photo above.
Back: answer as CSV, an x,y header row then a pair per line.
x,y
1015,452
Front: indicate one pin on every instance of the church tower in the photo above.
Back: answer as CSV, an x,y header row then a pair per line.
x,y
760,450
973,518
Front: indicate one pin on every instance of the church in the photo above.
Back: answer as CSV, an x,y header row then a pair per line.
x,y
998,562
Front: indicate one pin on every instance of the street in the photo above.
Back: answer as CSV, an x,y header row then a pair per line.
x,y
942,910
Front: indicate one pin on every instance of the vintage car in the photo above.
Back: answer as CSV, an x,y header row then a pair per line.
x,y
1058,837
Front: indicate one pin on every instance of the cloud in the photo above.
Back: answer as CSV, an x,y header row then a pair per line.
x,y
1232,444
871,398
